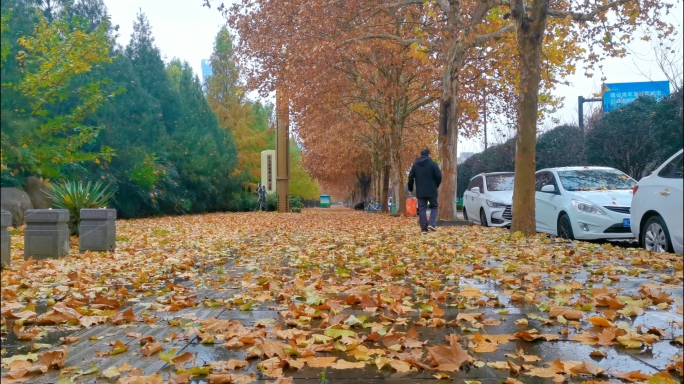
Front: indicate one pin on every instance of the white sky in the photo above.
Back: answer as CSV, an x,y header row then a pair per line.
x,y
186,29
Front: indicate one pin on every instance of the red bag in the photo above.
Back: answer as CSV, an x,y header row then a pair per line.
x,y
411,206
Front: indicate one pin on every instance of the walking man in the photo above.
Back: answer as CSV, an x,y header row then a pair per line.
x,y
427,176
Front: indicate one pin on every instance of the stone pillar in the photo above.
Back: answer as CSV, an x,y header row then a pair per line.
x,y
97,231
46,234
5,251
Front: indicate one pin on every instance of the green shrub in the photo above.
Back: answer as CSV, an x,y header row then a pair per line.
x,y
243,202
74,196
296,204
271,202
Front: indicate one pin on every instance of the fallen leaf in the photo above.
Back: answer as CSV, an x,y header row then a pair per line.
x,y
54,358
181,360
229,365
632,376
110,372
600,321
182,378
567,313
150,349
587,368
448,358
400,366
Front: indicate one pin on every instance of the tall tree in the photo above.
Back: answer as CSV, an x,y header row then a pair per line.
x,y
468,36
301,184
203,152
44,101
562,146
148,64
649,134
241,117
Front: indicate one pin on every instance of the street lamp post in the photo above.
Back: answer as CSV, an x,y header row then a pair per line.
x,y
580,102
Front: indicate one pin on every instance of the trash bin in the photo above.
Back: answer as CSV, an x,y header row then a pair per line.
x,y
325,201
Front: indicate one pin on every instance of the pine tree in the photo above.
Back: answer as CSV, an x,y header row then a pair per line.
x,y
204,153
150,68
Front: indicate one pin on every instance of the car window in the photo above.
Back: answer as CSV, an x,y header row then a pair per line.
x,y
501,182
595,180
476,182
673,169
472,183
544,178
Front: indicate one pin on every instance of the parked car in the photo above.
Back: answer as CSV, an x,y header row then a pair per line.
x,y
488,199
584,202
657,208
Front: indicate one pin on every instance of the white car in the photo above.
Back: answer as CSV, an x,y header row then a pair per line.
x,y
488,199
657,208
586,203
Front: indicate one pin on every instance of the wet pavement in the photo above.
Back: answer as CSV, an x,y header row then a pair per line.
x,y
513,315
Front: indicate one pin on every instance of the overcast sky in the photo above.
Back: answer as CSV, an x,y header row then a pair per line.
x,y
185,29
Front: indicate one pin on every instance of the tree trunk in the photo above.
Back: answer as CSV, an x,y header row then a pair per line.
x,y
385,187
397,173
448,141
448,133
530,36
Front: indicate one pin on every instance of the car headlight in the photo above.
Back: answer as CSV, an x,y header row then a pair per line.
x,y
583,207
496,204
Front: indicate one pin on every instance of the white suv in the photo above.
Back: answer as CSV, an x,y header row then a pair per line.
x,y
657,208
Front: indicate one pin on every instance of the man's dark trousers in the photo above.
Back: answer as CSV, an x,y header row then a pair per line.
x,y
422,212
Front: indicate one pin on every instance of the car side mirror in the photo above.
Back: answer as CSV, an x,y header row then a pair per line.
x,y
549,188
476,189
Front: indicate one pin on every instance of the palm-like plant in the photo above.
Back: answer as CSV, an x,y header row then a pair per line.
x,y
73,196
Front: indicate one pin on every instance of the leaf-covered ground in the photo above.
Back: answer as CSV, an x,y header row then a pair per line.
x,y
339,295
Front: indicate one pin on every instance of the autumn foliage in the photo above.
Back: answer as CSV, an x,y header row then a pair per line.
x,y
246,297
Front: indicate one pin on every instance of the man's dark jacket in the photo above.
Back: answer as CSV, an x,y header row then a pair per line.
x,y
427,177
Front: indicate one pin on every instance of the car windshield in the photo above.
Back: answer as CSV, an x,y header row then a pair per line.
x,y
502,182
595,180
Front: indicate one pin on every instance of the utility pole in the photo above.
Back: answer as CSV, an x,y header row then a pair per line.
x,y
580,110
283,150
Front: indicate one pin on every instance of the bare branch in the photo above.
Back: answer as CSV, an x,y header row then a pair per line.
x,y
482,38
403,42
589,16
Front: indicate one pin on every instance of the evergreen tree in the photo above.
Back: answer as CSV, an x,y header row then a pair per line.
x,y
150,68
44,123
203,152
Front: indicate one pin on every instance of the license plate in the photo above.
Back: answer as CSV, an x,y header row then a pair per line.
x,y
625,223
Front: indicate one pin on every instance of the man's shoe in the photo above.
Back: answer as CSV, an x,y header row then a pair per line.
x,y
432,228
423,232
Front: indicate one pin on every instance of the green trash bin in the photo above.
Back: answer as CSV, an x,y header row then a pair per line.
x,y
325,201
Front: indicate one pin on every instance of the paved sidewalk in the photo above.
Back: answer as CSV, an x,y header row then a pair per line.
x,y
467,281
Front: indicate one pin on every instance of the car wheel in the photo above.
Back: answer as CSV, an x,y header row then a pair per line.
x,y
565,227
655,237
465,214
483,218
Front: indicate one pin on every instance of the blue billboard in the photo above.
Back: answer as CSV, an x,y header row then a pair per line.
x,y
619,94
